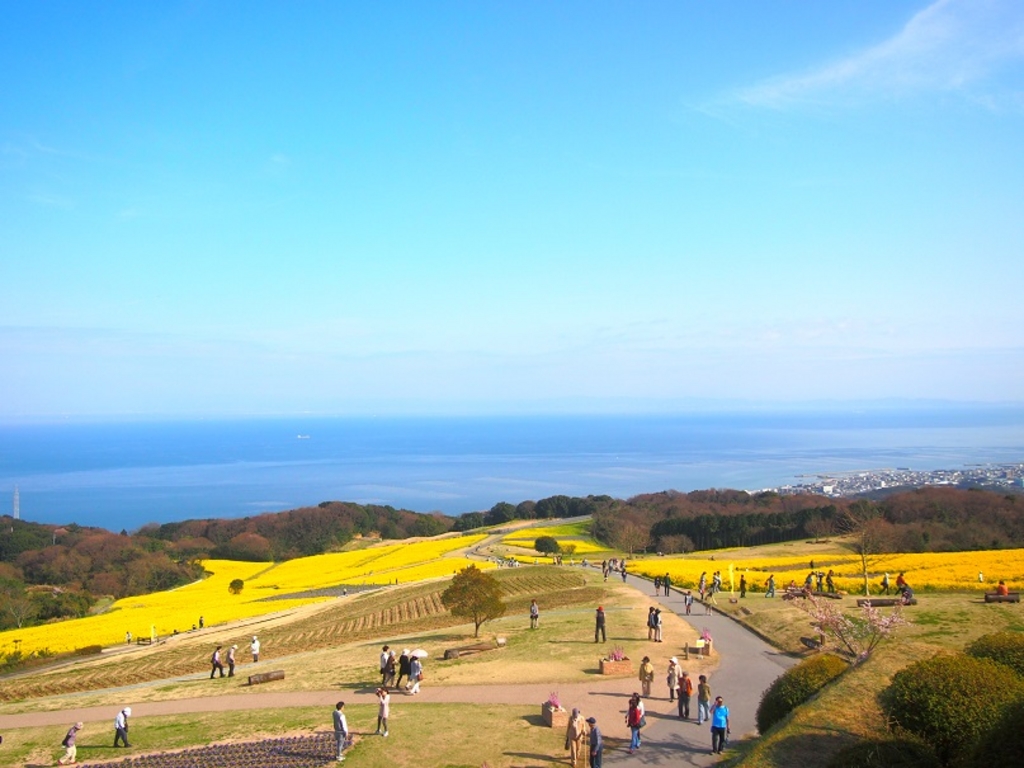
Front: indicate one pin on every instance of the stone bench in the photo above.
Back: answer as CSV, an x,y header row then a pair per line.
x,y
1012,597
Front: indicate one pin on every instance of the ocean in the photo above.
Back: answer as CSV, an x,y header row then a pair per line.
x,y
125,474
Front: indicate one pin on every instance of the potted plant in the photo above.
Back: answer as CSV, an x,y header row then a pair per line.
x,y
553,712
616,663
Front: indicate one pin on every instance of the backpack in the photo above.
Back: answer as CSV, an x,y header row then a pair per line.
x,y
688,686
634,716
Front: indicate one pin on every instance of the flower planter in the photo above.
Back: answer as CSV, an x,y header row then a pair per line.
x,y
610,667
554,718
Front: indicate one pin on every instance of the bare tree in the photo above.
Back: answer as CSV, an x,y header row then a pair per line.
x,y
631,536
868,534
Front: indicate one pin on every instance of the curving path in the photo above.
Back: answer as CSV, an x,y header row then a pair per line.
x,y
748,665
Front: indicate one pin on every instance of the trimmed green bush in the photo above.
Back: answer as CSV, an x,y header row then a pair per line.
x,y
950,699
886,753
1001,746
1004,647
795,686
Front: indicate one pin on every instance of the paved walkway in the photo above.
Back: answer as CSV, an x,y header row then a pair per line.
x,y
748,665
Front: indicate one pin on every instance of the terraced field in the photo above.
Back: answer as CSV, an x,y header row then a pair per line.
x,y
392,611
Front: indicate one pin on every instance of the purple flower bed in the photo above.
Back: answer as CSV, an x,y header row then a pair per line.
x,y
293,752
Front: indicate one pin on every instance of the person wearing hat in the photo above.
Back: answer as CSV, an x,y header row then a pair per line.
x,y
596,743
599,626
69,745
121,726
231,660
576,736
685,694
254,646
674,673
646,676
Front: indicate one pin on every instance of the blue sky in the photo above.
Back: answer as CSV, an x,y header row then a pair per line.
x,y
260,208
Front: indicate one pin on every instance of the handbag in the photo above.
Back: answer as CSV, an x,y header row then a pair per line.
x,y
643,720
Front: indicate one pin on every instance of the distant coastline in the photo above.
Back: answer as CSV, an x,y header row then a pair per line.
x,y
127,474
1008,476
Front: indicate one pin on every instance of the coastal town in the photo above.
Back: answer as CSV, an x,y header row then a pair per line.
x,y
990,476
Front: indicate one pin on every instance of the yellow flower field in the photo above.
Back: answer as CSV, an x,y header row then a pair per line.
x,y
576,534
161,613
924,571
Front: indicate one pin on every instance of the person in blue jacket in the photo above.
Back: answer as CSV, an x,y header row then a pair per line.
x,y
596,743
719,725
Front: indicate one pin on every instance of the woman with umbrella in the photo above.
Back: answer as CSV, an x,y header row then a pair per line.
x,y
416,670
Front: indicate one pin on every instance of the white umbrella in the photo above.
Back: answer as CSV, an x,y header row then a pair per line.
x,y
419,653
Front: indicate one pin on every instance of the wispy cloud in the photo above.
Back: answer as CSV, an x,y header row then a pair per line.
x,y
951,46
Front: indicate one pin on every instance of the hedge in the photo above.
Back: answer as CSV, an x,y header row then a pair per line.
x,y
795,686
951,699
1002,745
1004,647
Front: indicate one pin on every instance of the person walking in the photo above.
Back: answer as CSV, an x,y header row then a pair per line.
x,y
657,585
596,743
650,623
415,675
703,699
121,726
770,586
231,660
404,665
383,710
685,695
666,584
216,664
384,663
254,646
340,730
576,736
688,601
71,751
719,725
743,585
635,721
646,676
675,672
599,625
390,670
534,614
830,583
657,625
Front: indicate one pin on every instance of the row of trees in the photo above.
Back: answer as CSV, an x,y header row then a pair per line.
x,y
922,520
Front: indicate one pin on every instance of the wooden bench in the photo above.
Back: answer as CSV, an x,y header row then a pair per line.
x,y
1012,597
882,602
266,677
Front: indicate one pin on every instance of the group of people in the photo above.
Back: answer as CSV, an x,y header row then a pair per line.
x,y
654,624
218,658
70,741
342,735
408,666
819,581
662,582
614,565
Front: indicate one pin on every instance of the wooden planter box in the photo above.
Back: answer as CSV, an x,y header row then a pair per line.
x,y
609,667
554,718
